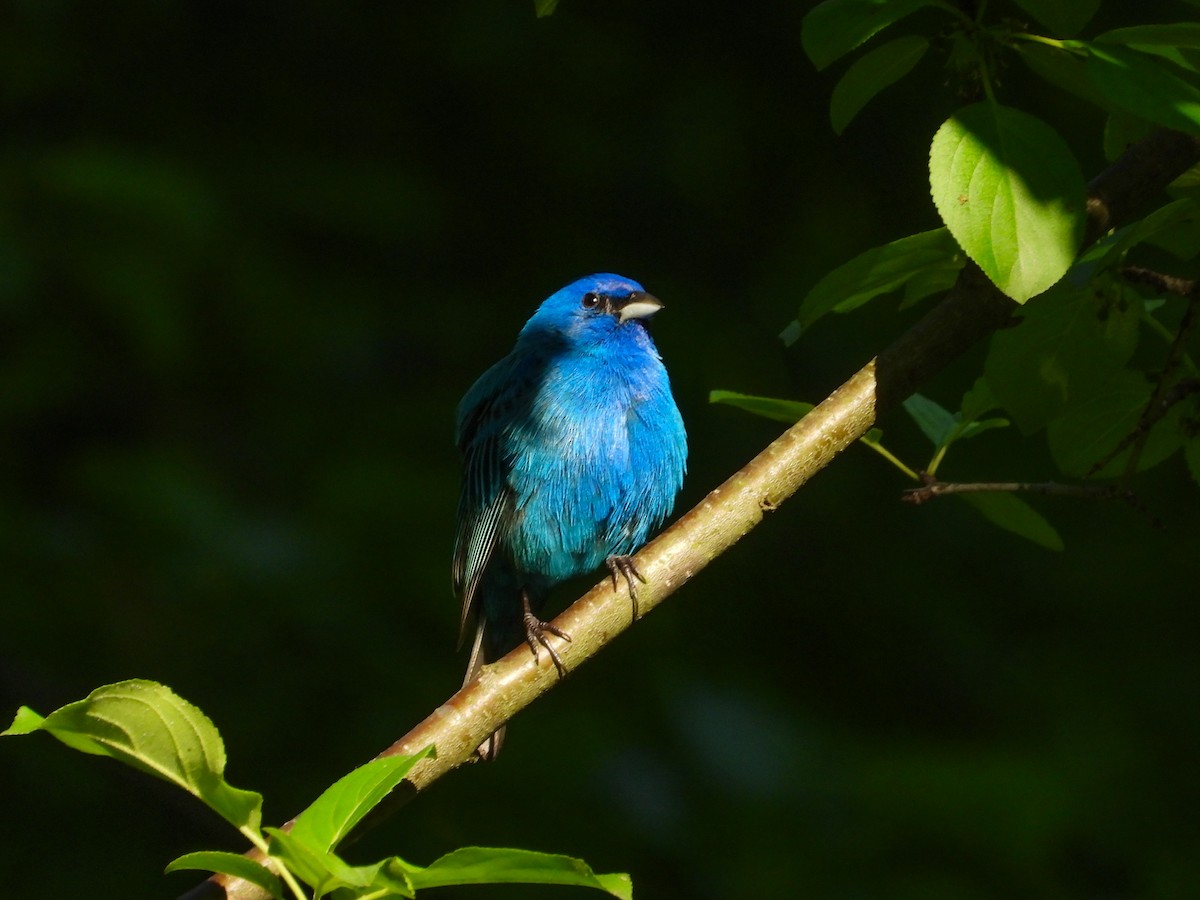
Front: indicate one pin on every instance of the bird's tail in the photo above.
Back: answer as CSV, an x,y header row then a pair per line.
x,y
480,656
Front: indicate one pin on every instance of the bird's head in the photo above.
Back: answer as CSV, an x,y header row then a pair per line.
x,y
592,309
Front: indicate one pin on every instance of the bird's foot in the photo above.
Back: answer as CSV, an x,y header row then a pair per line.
x,y
623,565
535,636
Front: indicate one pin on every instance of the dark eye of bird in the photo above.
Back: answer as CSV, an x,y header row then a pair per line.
x,y
590,299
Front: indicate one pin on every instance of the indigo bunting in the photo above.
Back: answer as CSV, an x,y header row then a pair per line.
x,y
574,451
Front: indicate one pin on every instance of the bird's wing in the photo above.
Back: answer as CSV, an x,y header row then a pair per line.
x,y
486,501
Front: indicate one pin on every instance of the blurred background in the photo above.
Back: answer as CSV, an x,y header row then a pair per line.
x,y
251,255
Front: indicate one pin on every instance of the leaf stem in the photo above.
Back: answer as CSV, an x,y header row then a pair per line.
x,y
932,468
1065,46
260,843
890,457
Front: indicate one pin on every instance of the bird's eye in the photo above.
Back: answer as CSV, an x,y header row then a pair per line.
x,y
590,299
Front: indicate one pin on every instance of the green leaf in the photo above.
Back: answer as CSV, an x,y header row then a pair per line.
x,y
1121,130
1065,70
149,727
879,270
977,401
790,411
870,74
1112,249
230,864
326,872
1179,34
1014,514
1144,87
931,282
307,863
342,805
835,27
1065,344
1012,195
1063,17
484,865
934,420
1087,431
544,7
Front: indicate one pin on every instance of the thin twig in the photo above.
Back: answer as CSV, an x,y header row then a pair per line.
x,y
1164,395
934,488
927,492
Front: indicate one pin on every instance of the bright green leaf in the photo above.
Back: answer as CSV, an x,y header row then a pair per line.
x,y
484,865
934,420
149,727
1063,17
790,411
879,270
1011,193
870,74
327,872
1065,344
234,864
1087,431
342,805
1013,514
835,27
1143,86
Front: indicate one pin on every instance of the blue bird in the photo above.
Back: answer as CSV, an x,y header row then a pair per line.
x,y
574,451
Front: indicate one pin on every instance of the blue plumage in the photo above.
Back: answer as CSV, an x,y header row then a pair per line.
x,y
574,451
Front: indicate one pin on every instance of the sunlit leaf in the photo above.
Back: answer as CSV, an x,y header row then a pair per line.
x,y
234,864
149,727
1011,193
341,806
327,872
1013,514
870,74
484,865
835,27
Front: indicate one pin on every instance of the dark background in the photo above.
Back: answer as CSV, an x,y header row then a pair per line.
x,y
250,257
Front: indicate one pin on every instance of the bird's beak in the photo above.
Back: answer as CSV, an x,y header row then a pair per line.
x,y
639,305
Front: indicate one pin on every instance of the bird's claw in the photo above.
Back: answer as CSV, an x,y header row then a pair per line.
x,y
623,565
535,636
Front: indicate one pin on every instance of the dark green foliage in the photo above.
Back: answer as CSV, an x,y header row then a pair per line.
x,y
252,255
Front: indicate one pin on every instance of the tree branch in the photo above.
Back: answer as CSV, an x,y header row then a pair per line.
x,y
972,309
